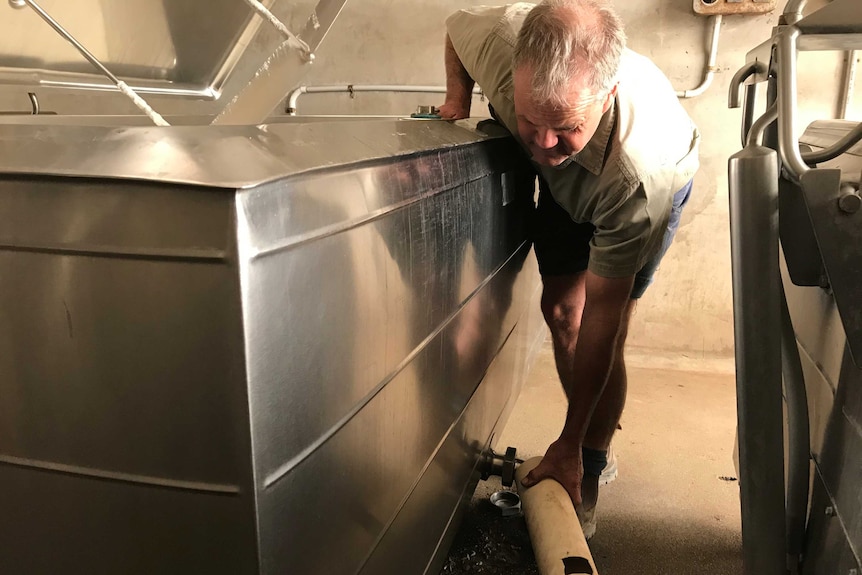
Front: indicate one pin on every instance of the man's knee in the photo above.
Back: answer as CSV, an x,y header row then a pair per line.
x,y
563,299
562,317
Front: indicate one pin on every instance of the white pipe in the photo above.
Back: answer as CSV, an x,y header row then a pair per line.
x,y
794,11
294,95
558,542
709,73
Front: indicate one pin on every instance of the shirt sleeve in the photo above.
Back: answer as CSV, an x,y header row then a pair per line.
x,y
628,232
479,38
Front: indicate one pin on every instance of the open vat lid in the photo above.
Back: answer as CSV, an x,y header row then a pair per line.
x,y
183,48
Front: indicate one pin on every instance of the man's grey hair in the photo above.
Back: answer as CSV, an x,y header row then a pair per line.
x,y
562,40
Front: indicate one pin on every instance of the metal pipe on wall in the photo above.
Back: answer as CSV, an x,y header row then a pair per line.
x,y
293,96
793,11
709,73
753,179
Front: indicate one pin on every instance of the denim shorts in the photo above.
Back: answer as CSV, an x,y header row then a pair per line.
x,y
563,246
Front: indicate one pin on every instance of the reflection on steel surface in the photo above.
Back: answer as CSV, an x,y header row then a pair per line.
x,y
328,339
224,156
820,234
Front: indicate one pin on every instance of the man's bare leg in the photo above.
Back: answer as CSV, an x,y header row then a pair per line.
x,y
604,423
609,409
563,299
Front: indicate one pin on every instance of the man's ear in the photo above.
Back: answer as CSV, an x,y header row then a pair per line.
x,y
609,99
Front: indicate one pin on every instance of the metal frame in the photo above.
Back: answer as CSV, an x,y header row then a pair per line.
x,y
254,103
764,333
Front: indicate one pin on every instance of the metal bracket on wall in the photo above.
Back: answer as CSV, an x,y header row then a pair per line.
x,y
713,7
835,209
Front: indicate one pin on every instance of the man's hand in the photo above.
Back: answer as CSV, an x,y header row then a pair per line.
x,y
562,462
454,111
459,87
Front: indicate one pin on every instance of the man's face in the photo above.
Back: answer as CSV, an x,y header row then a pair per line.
x,y
554,134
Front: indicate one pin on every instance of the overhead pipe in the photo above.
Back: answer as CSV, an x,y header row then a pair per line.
x,y
293,96
711,69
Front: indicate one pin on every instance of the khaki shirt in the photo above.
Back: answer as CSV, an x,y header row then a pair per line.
x,y
623,181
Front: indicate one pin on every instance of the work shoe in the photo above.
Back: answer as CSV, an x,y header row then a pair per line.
x,y
588,522
590,494
587,509
611,470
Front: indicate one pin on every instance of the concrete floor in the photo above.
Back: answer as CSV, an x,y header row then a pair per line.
x,y
674,508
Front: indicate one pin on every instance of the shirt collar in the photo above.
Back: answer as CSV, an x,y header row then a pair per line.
x,y
592,157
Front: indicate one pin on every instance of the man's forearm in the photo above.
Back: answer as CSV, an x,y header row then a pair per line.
x,y
605,312
594,357
459,84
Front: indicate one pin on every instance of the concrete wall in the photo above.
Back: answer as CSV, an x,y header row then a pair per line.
x,y
686,316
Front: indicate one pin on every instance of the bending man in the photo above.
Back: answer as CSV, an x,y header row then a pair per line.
x,y
616,154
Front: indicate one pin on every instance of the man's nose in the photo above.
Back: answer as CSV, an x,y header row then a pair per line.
x,y
545,138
